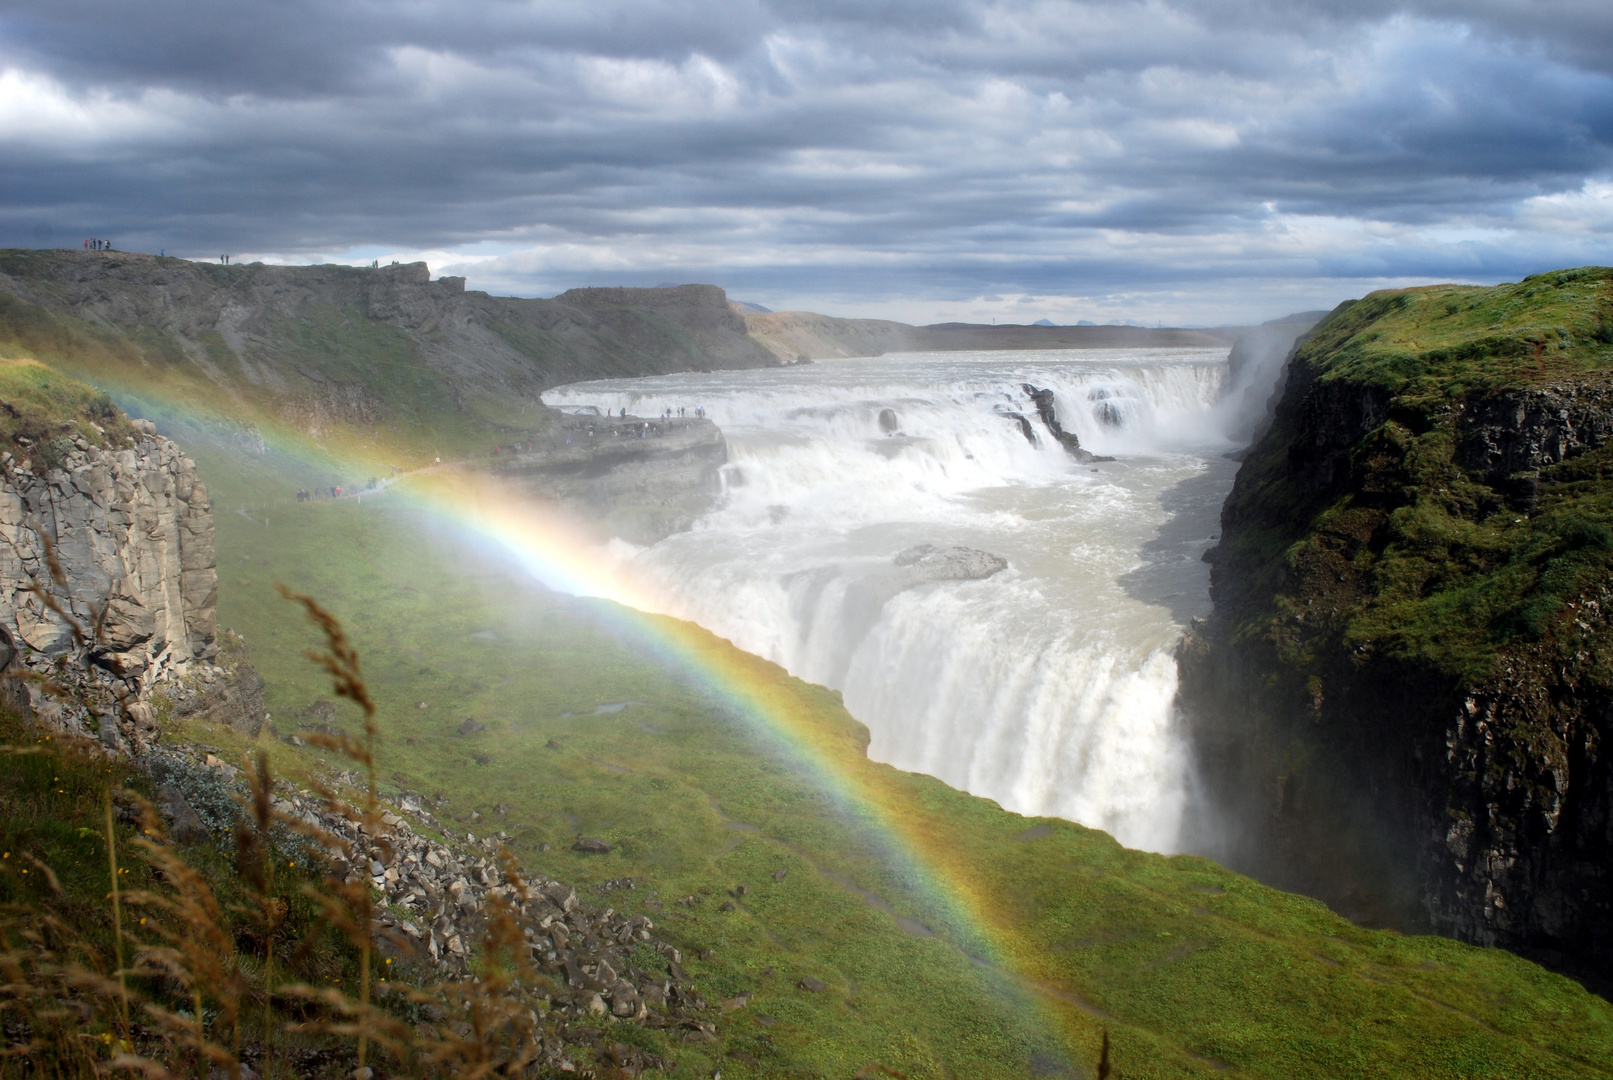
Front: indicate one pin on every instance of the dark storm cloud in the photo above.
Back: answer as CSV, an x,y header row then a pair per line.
x,y
894,148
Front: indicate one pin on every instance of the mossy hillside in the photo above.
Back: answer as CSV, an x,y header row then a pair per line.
x,y
1192,969
42,411
296,429
1410,557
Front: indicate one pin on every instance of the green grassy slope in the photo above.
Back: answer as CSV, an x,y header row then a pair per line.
x,y
1193,969
1415,558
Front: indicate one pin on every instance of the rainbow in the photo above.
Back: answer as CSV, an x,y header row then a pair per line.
x,y
555,552
563,557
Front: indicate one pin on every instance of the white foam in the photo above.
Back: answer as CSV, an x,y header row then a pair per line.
x,y
1048,687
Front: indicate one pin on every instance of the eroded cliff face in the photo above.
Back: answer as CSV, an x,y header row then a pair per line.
x,y
1404,701
133,595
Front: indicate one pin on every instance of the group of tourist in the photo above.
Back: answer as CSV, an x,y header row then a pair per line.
x,y
335,491
92,244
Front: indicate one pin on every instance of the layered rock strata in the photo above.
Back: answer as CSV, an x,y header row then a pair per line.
x,y
132,595
1047,408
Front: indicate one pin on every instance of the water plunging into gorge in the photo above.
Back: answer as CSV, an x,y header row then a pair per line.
x,y
1048,686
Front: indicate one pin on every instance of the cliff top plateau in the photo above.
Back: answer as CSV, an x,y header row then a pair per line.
x,y
796,335
327,350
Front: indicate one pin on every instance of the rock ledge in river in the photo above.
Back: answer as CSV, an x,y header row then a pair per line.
x,y
926,562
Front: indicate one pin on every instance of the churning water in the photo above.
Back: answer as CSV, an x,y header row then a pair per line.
x,y
1048,686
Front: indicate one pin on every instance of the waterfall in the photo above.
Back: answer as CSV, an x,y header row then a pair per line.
x,y
1049,686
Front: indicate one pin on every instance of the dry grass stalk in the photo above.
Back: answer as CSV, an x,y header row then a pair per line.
x,y
117,919
255,862
495,1027
341,662
199,955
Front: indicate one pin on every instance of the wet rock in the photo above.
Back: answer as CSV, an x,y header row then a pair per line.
x,y
927,562
1047,409
888,423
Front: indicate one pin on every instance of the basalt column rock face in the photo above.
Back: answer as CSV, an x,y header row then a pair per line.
x,y
135,588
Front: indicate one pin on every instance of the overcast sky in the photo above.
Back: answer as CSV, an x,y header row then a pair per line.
x,y
1198,161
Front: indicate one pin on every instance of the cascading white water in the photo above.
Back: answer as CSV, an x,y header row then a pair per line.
x,y
1048,686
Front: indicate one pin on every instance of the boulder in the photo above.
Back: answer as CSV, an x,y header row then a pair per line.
x,y
591,846
927,562
184,826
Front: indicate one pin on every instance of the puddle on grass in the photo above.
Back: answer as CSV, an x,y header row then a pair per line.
x,y
602,710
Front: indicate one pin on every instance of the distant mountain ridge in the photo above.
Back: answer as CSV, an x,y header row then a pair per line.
x,y
795,334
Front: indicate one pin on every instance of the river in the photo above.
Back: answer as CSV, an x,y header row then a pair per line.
x,y
1049,686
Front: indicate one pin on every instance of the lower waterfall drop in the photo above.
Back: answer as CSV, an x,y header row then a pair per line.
x,y
1048,685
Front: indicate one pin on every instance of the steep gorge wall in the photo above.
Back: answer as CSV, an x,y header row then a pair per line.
x,y
1404,701
134,593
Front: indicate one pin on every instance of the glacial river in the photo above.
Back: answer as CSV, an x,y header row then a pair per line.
x,y
1048,686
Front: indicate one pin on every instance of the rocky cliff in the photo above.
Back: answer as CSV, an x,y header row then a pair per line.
x,y
325,346
107,573
1404,701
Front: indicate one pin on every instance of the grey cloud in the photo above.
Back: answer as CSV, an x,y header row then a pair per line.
x,y
958,148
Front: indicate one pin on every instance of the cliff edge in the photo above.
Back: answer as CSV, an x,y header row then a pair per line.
x,y
1404,701
108,580
340,349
